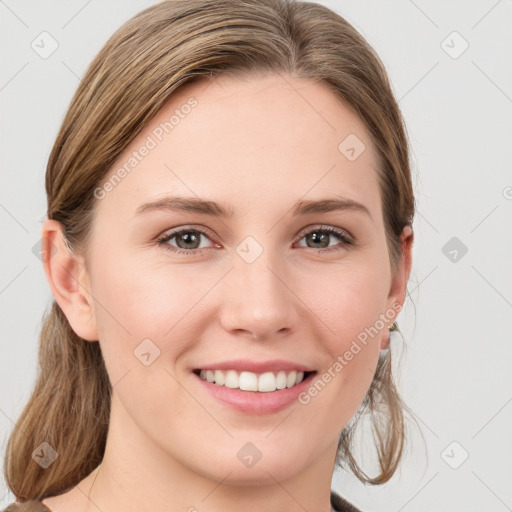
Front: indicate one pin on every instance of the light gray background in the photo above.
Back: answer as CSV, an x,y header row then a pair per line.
x,y
455,371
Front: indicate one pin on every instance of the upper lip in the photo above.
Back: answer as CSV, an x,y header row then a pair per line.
x,y
248,365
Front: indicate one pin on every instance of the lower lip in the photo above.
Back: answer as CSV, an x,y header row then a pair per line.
x,y
256,402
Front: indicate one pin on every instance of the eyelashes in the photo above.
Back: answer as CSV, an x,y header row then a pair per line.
x,y
326,233
329,232
198,233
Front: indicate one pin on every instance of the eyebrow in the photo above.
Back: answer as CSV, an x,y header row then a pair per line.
x,y
205,207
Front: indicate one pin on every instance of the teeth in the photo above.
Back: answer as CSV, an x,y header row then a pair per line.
x,y
231,379
281,380
248,381
219,377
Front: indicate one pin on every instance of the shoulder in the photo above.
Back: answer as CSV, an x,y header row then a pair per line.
x,y
27,506
341,504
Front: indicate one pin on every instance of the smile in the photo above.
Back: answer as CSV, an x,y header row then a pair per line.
x,y
248,381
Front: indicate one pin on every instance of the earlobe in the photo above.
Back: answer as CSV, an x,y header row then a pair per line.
x,y
386,336
68,280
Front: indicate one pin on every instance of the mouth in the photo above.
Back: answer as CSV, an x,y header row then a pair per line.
x,y
266,382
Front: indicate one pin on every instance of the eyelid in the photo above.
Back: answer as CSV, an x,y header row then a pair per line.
x,y
326,227
171,233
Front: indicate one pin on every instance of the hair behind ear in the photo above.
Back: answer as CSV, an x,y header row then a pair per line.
x,y
69,409
385,406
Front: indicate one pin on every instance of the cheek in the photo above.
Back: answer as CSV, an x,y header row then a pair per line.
x,y
143,311
350,301
350,306
352,341
137,300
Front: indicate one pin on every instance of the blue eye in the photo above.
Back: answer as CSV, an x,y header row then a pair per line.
x,y
192,238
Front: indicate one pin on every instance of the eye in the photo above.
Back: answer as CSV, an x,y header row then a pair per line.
x,y
188,241
320,237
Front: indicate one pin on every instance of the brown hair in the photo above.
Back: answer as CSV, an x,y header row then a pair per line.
x,y
156,52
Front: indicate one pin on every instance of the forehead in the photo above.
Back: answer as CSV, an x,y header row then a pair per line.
x,y
272,139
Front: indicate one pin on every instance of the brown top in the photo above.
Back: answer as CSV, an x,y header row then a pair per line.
x,y
341,504
338,503
27,506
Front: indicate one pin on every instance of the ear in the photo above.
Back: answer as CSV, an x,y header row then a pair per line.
x,y
398,288
68,280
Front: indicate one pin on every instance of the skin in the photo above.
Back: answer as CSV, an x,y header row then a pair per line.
x,y
257,146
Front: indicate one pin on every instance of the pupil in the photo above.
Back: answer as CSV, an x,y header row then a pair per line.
x,y
318,238
188,238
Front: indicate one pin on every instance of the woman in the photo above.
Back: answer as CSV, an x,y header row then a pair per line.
x,y
228,244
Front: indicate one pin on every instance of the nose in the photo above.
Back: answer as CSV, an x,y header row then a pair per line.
x,y
258,301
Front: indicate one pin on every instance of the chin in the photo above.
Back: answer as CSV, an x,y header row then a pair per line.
x,y
267,465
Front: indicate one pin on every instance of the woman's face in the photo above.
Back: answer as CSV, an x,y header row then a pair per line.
x,y
264,283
